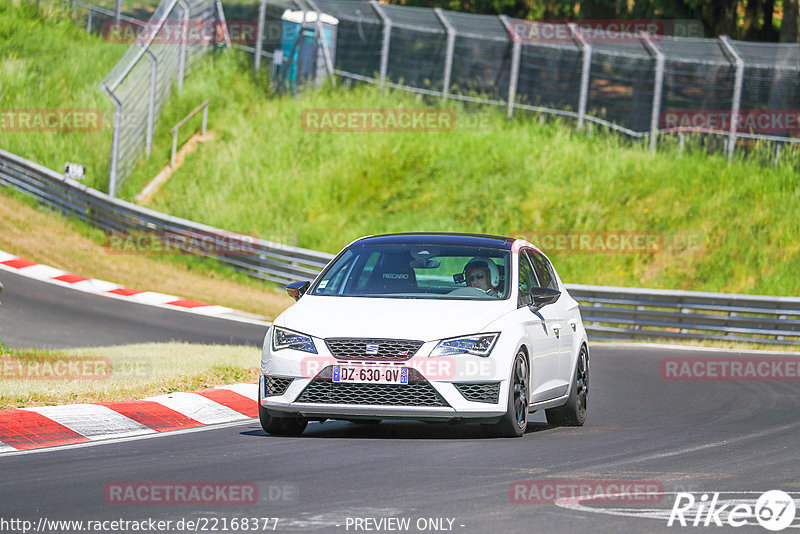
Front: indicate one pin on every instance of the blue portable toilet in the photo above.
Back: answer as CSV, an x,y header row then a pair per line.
x,y
302,49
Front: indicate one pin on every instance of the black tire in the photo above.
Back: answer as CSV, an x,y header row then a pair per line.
x,y
515,421
281,426
573,413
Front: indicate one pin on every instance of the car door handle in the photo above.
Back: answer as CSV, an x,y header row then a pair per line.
x,y
573,324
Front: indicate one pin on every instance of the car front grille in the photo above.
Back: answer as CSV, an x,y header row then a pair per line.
x,y
274,385
418,392
395,350
480,392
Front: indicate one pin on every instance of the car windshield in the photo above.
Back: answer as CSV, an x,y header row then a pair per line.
x,y
417,271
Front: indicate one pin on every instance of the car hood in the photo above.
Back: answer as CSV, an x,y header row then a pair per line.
x,y
422,319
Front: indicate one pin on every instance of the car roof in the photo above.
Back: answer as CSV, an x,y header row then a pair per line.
x,y
438,238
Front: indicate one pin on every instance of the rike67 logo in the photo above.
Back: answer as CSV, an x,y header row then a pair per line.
x,y
774,510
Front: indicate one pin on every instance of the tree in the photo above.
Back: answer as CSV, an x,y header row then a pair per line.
x,y
789,22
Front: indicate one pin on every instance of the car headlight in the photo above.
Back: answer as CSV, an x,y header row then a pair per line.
x,y
289,339
476,344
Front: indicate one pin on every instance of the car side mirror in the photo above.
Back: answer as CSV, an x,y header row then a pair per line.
x,y
542,296
297,289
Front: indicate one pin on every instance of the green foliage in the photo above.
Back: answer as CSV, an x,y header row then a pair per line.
x,y
46,62
719,17
725,227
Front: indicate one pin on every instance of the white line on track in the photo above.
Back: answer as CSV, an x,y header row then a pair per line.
x,y
246,390
92,420
197,407
129,438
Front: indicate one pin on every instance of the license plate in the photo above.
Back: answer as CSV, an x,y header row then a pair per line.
x,y
370,374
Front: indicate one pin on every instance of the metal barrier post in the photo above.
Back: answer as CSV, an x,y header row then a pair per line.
x,y
585,72
151,105
89,21
221,15
657,89
174,147
174,130
182,59
451,43
118,11
112,174
513,78
387,37
320,37
737,93
262,15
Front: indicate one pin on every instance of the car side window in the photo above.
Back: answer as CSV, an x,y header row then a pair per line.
x,y
527,280
544,271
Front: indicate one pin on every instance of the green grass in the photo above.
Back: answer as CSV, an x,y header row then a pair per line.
x,y
725,227
35,377
48,62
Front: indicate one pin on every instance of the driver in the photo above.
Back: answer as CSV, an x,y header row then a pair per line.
x,y
482,273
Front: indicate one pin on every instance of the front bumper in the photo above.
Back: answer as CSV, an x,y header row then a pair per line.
x,y
456,405
440,377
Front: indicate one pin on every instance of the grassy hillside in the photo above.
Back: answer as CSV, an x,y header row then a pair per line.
x,y
724,227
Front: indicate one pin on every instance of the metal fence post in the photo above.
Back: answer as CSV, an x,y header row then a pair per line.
x,y
320,37
151,105
112,174
737,93
262,15
513,78
221,16
451,44
89,21
387,37
182,59
658,86
174,148
585,72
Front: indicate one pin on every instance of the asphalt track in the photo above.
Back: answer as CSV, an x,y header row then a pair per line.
x,y
739,437
38,314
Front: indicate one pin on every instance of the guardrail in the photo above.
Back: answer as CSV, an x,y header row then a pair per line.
x,y
608,312
629,313
259,258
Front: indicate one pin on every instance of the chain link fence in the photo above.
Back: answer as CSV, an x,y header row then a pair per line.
x,y
163,50
729,93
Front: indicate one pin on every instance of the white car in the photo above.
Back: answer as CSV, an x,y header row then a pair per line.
x,y
432,327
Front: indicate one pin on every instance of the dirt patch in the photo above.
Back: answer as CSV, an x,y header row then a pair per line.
x,y
47,238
